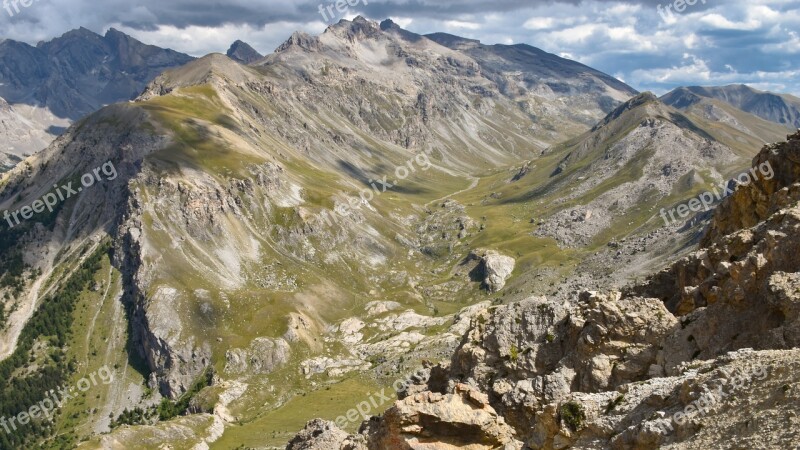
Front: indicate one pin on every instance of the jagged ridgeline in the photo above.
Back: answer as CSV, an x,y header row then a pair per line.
x,y
232,315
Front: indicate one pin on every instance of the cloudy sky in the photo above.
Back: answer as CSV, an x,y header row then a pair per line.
x,y
711,42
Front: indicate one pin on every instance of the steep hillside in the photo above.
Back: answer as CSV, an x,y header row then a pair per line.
x,y
558,93
24,130
602,196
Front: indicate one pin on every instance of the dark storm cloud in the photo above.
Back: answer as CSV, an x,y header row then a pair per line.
x,y
184,13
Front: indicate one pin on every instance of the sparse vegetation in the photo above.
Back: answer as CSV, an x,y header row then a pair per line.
x,y
614,403
169,409
572,414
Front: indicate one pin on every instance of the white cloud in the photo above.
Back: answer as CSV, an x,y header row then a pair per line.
x,y
718,21
693,71
540,23
457,24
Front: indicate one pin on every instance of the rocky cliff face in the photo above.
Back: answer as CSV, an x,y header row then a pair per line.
x,y
667,364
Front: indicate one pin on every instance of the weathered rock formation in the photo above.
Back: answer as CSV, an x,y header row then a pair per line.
x,y
493,268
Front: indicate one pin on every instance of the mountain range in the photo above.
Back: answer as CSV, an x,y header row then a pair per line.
x,y
284,234
778,108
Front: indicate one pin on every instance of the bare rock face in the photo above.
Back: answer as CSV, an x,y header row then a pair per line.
x,y
774,188
263,356
740,290
546,351
494,267
177,358
323,435
433,421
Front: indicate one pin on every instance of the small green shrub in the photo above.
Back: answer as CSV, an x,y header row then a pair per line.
x,y
573,415
514,353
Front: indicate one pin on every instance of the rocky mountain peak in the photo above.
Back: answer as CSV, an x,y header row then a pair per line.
x,y
302,41
210,69
358,29
639,101
243,53
388,26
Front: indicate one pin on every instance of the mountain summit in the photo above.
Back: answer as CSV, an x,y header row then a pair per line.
x,y
243,53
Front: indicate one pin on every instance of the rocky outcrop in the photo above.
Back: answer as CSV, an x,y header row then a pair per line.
x,y
323,435
752,237
263,356
777,172
430,420
494,268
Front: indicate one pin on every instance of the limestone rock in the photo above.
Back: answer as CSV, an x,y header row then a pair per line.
x,y
263,356
461,420
494,268
323,435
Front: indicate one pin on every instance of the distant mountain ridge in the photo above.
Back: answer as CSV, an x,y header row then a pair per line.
x,y
49,86
81,71
783,109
